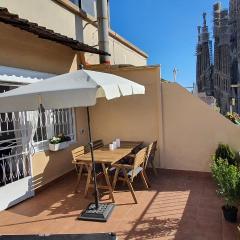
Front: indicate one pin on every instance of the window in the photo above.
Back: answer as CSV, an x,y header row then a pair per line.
x,y
77,2
52,123
90,7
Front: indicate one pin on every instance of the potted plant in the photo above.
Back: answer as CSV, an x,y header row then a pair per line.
x,y
224,151
233,117
227,177
59,142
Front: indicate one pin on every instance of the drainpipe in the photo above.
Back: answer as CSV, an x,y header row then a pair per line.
x,y
103,29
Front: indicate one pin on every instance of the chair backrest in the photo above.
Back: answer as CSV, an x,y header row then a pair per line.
x,y
78,152
150,153
138,161
98,144
85,149
137,149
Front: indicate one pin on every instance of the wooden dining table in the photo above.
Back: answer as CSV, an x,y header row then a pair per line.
x,y
106,158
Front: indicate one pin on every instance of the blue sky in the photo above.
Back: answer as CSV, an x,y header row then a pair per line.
x,y
165,29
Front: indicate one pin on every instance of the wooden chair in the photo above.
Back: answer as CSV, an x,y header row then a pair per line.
x,y
98,167
127,173
150,156
129,159
80,167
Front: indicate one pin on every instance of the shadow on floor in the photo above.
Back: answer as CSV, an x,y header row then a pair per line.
x,y
180,205
184,206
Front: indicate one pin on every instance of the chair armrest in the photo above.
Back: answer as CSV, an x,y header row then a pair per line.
x,y
76,162
121,166
79,162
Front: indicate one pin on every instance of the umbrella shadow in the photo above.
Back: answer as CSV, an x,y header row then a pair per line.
x,y
56,197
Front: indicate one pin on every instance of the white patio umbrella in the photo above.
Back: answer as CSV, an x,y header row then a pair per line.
x,y
76,89
80,88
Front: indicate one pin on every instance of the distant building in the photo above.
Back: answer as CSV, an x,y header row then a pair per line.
x,y
219,77
204,63
209,100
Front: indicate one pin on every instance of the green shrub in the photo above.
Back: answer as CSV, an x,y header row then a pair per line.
x,y
227,178
224,151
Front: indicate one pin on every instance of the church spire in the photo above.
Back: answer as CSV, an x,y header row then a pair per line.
x,y
234,8
205,34
204,19
199,34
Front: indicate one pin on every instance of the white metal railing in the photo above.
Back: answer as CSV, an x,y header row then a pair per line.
x,y
13,167
14,161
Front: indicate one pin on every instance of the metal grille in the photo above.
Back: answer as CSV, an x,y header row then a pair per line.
x,y
14,157
52,123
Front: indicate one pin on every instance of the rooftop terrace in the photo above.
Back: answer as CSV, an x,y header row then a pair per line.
x,y
180,205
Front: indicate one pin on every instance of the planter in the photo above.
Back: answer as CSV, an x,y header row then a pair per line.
x,y
59,146
230,213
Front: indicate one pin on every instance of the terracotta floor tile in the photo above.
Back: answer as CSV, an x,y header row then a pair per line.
x,y
179,205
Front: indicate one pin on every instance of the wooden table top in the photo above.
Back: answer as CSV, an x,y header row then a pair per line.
x,y
105,155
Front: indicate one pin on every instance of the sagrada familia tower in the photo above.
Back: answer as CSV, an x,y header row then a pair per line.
x,y
219,76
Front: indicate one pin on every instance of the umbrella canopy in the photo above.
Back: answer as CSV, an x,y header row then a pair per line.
x,y
75,89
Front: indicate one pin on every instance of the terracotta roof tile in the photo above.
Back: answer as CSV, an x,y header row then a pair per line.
x,y
42,32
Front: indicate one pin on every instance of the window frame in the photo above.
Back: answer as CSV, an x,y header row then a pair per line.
x,y
41,146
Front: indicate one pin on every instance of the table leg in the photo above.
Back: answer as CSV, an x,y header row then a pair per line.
x,y
115,178
88,180
108,182
79,174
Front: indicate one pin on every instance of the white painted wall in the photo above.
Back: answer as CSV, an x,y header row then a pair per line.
x,y
16,192
54,16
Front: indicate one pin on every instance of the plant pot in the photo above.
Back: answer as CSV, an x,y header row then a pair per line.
x,y
58,146
230,213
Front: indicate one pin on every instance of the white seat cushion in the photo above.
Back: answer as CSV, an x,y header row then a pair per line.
x,y
136,171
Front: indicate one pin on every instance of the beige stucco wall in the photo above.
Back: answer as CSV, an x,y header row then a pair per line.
x,y
191,130
46,13
66,19
25,50
133,118
121,54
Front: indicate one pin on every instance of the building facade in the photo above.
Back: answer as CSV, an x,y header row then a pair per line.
x,y
38,40
220,78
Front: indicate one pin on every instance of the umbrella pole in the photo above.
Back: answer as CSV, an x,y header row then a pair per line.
x,y
93,162
95,211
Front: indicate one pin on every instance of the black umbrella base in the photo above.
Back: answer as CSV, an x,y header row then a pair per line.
x,y
97,236
97,215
